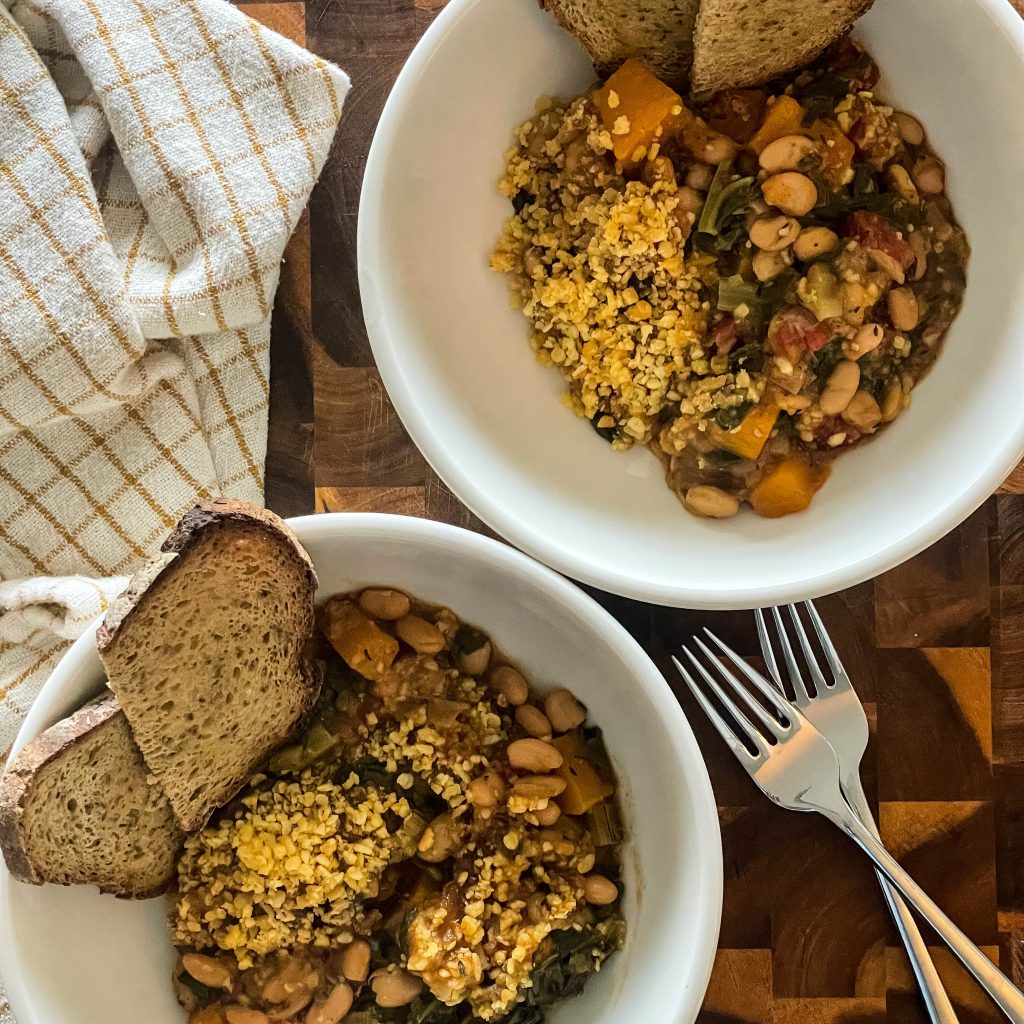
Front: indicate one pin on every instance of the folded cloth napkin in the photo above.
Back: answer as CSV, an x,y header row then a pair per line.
x,y
155,156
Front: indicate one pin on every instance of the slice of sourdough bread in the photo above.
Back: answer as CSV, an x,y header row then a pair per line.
x,y
657,32
76,807
748,42
207,652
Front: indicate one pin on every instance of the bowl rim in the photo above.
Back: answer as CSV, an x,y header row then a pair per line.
x,y
999,462
340,526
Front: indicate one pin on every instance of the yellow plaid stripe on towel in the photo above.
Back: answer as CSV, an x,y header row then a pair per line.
x,y
155,156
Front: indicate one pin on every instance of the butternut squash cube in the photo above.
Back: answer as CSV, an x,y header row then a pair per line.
x,y
789,487
634,104
362,644
783,117
749,438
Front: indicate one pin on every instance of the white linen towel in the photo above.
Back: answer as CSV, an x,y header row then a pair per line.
x,y
155,156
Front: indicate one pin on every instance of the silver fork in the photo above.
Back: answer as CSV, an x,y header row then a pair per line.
x,y
794,766
836,711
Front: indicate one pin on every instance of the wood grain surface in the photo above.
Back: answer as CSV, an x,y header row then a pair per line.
x,y
936,647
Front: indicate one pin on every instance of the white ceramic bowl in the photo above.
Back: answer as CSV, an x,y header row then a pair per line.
x,y
457,364
72,956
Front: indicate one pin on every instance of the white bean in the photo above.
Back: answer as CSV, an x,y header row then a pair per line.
x,y
814,242
768,265
904,310
564,711
422,636
599,890
909,128
887,265
774,233
929,176
866,340
840,387
533,755
790,192
383,604
710,502
863,412
785,154
892,402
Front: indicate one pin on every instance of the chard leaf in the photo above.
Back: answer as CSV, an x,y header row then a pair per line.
x,y
734,292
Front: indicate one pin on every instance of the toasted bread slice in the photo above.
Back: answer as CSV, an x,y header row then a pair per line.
x,y
657,32
207,652
748,42
77,807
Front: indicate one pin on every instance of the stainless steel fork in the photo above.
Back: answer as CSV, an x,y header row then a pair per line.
x,y
795,767
834,708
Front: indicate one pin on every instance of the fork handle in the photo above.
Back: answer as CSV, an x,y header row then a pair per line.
x,y
999,987
933,993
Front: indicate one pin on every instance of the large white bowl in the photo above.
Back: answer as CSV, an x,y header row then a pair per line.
x,y
72,956
455,358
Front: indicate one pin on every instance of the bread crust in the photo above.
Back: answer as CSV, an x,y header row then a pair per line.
x,y
189,528
18,781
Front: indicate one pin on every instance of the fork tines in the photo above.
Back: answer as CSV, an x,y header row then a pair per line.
x,y
810,658
748,741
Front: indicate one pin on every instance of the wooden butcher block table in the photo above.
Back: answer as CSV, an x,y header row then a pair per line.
x,y
935,647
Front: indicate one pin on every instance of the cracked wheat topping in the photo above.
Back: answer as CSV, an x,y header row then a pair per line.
x,y
440,847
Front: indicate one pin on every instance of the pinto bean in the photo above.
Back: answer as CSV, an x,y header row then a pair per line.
x,y
331,1009
355,961
395,988
207,970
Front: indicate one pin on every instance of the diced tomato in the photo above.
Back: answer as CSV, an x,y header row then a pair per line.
x,y
873,231
795,330
737,113
724,334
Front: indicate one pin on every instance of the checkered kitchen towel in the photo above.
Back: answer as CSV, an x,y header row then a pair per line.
x,y
155,156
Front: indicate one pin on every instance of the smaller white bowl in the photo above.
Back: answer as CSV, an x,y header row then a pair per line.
x,y
457,363
72,956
